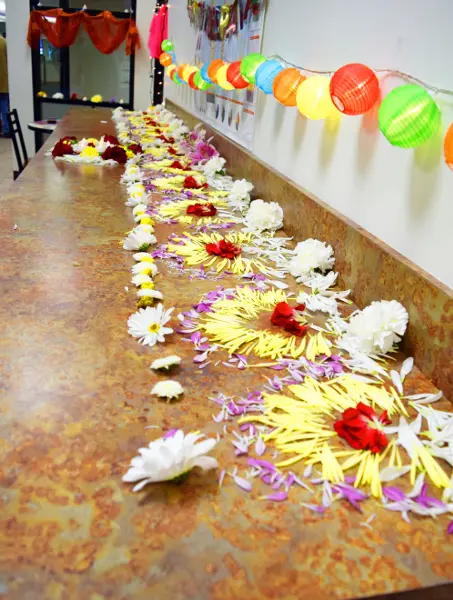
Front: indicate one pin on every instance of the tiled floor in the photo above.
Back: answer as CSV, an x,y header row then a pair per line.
x,y
6,164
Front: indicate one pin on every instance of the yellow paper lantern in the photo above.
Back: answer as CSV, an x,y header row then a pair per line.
x,y
313,98
222,80
187,72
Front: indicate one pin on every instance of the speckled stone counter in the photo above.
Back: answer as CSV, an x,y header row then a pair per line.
x,y
74,407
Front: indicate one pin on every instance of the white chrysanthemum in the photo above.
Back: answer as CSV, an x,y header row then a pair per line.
x,y
143,256
180,132
140,200
80,146
214,165
264,215
376,328
148,324
166,363
102,145
145,268
138,240
309,256
170,458
147,293
239,198
58,96
141,279
167,389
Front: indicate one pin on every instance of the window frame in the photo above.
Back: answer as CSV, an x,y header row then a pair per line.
x,y
65,68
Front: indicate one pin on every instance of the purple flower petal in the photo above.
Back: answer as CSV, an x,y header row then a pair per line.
x,y
393,493
450,527
277,497
260,447
170,433
257,462
314,508
242,483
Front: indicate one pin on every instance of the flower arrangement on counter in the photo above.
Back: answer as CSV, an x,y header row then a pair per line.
x,y
334,419
105,151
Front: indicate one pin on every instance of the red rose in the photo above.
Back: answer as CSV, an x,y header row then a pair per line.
x,y
190,183
61,148
177,165
173,152
202,210
295,328
135,148
282,314
115,153
74,96
111,139
224,249
362,428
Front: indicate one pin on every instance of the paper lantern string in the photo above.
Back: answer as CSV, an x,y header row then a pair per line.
x,y
397,72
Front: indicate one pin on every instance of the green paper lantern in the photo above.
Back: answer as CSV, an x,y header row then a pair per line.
x,y
408,116
249,66
167,46
201,83
176,79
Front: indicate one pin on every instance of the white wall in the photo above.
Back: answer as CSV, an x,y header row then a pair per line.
x,y
19,66
404,197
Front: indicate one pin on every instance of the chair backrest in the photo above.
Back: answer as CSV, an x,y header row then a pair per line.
x,y
17,137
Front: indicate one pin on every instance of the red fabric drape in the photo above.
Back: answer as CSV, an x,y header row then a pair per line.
x,y
106,31
158,32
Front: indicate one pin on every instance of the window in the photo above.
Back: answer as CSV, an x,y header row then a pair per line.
x,y
81,69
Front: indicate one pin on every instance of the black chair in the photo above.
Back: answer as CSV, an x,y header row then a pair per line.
x,y
16,132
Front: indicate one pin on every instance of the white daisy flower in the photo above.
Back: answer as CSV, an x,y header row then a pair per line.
x,y
309,256
180,132
167,389
376,328
139,240
169,458
134,201
139,209
143,256
145,228
149,293
141,279
145,268
264,215
166,362
136,190
148,324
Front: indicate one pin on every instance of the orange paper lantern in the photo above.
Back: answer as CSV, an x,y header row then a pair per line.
x,y
286,84
213,68
165,59
180,70
448,147
234,76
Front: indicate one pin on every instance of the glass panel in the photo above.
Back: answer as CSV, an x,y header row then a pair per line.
x,y
54,111
92,72
50,64
111,5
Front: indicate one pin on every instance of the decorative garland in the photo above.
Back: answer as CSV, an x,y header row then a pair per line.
x,y
220,22
408,115
331,408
